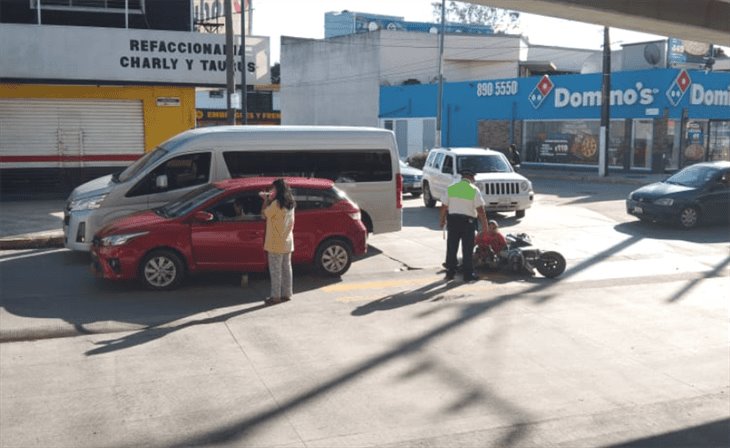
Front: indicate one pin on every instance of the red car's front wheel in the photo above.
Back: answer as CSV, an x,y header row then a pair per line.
x,y
161,270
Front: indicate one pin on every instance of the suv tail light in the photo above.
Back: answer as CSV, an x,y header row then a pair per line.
x,y
399,191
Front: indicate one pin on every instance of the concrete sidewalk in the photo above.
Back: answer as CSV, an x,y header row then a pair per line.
x,y
35,224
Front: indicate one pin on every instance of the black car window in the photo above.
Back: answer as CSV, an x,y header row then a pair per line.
x,y
694,176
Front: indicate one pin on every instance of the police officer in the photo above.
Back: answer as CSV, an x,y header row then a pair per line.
x,y
462,205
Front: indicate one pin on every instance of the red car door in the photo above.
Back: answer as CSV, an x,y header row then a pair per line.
x,y
229,245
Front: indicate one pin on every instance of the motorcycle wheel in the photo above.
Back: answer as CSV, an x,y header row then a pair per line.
x,y
550,264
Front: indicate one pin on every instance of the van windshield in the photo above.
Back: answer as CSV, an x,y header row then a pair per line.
x,y
141,164
483,164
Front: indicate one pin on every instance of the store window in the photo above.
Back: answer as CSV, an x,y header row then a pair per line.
x,y
571,142
642,143
695,141
719,148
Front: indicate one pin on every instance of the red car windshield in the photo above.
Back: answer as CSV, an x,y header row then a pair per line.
x,y
189,202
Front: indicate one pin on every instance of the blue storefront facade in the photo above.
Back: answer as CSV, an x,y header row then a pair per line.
x,y
661,119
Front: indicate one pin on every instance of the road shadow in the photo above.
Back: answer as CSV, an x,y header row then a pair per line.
x,y
714,434
433,291
57,284
662,231
582,192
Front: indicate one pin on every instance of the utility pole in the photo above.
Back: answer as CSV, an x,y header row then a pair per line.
x,y
244,69
230,84
605,107
440,94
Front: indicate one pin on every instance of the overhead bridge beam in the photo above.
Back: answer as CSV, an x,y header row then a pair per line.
x,y
699,20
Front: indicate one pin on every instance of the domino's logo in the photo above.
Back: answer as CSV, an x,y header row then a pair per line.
x,y
679,86
541,91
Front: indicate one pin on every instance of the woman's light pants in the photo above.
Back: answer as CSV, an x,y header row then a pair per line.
x,y
281,275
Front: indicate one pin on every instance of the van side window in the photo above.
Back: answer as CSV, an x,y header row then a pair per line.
x,y
183,171
371,165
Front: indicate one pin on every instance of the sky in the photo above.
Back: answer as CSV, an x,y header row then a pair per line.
x,y
305,18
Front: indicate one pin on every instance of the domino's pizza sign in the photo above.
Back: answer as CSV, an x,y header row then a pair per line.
x,y
541,91
679,86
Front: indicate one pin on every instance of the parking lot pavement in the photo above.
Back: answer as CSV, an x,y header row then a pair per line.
x,y
402,360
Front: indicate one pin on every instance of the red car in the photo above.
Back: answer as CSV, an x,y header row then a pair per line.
x,y
218,227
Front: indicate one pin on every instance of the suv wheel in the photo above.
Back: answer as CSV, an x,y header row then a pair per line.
x,y
428,200
520,214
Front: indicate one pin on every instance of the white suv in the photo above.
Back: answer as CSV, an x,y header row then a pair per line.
x,y
503,189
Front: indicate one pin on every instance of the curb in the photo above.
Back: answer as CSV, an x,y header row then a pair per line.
x,y
590,178
15,243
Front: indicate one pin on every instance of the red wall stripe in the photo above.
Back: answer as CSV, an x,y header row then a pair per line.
x,y
69,158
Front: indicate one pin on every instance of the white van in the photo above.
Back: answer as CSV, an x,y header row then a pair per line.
x,y
363,162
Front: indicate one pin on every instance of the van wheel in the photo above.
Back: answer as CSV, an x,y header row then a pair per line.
x,y
161,270
520,214
428,200
333,258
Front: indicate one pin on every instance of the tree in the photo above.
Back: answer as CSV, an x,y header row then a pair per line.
x,y
501,20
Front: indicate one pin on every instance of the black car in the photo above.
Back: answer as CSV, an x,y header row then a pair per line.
x,y
699,193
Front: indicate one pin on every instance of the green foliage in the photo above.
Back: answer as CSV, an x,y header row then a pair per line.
x,y
501,20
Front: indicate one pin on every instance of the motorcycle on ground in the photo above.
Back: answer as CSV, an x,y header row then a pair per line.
x,y
520,256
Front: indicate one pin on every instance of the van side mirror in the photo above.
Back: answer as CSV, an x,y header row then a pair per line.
x,y
202,216
161,181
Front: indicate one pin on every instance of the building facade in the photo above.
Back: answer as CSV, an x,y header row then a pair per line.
x,y
661,120
87,87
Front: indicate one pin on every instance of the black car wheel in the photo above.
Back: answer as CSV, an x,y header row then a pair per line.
x,y
519,214
689,217
428,200
161,270
333,258
416,194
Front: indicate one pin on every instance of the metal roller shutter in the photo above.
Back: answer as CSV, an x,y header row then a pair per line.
x,y
70,133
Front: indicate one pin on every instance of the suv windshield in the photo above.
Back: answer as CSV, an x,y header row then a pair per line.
x,y
483,164
188,202
692,176
140,164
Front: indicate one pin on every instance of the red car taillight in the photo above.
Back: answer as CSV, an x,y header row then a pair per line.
x,y
352,210
399,191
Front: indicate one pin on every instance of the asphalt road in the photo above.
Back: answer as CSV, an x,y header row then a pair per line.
x,y
629,347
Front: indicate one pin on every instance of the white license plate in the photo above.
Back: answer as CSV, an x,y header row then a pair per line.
x,y
417,185
638,210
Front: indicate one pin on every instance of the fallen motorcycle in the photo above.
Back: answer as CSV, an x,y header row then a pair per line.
x,y
520,256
